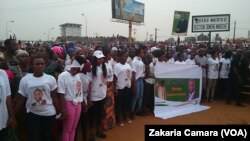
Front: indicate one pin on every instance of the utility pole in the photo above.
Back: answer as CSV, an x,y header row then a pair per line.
x,y
234,31
147,36
156,34
134,34
129,31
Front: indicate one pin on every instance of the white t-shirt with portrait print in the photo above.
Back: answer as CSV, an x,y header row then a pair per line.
x,y
98,85
29,87
70,86
110,71
4,92
123,74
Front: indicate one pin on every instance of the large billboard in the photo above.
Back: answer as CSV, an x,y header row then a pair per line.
x,y
180,23
128,10
211,23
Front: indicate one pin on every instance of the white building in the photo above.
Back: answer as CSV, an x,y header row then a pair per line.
x,y
70,29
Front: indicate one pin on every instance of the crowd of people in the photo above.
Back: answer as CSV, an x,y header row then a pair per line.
x,y
101,86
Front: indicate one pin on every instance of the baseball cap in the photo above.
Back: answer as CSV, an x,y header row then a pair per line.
x,y
98,54
76,64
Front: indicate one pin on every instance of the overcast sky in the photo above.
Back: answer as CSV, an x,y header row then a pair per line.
x,y
34,18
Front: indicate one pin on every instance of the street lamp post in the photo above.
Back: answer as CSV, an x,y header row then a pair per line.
x,y
85,24
49,32
44,36
7,28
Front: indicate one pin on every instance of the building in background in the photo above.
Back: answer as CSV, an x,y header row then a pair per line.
x,y
70,30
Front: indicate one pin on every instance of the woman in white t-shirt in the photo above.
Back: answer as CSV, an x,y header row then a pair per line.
x,y
97,95
122,77
71,97
39,90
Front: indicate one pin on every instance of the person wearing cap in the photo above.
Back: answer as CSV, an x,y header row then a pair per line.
x,y
71,97
40,117
97,95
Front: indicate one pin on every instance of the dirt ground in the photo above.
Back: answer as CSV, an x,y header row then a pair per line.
x,y
219,113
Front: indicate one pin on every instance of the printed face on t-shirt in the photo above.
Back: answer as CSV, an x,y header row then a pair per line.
x,y
38,95
128,75
78,88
